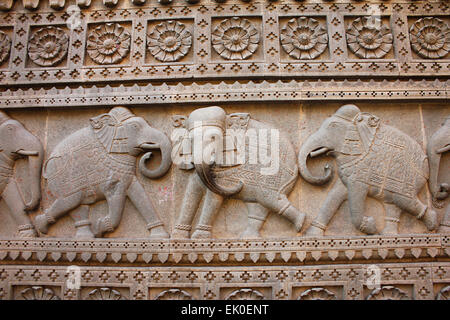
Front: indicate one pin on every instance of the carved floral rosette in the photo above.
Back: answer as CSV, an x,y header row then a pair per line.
x,y
108,43
317,294
5,47
369,38
169,41
430,38
48,46
388,293
235,39
245,294
304,38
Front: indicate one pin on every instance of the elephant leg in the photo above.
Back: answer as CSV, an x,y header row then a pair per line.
x,y
416,208
211,205
357,194
191,200
14,201
257,214
139,198
82,223
333,201
285,208
116,204
58,208
445,223
392,219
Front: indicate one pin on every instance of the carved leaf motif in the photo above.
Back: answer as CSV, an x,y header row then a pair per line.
x,y
208,257
38,293
5,46
169,41
48,46
388,293
317,294
108,43
174,294
444,294
105,294
304,38
235,39
100,256
430,38
147,257
177,257
245,294
270,256
369,38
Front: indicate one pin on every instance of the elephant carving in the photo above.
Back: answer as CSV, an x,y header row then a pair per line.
x,y
220,175
98,162
373,159
16,142
439,143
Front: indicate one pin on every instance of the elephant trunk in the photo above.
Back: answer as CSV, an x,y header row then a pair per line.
x,y
34,151
205,173
312,147
162,142
439,143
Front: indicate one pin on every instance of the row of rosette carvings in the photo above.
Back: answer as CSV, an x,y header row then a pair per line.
x,y
168,93
144,43
400,281
230,251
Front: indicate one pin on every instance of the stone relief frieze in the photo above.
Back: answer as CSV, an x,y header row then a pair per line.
x,y
369,38
99,162
17,142
169,41
214,181
5,47
304,38
373,160
48,46
108,43
103,104
235,39
430,38
395,41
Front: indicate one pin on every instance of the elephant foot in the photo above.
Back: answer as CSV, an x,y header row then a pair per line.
x,y
368,225
181,231
101,226
158,232
430,219
42,222
202,232
391,226
295,217
315,230
27,231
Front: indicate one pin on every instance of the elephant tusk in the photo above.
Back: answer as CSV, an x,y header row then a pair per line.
x,y
27,153
149,146
318,152
444,149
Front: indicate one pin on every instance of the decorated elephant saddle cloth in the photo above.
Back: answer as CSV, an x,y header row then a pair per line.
x,y
389,160
85,167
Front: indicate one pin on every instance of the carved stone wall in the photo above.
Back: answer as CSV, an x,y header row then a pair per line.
x,y
99,99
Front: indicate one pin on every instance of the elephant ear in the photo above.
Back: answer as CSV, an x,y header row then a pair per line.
x,y
182,148
367,125
104,127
